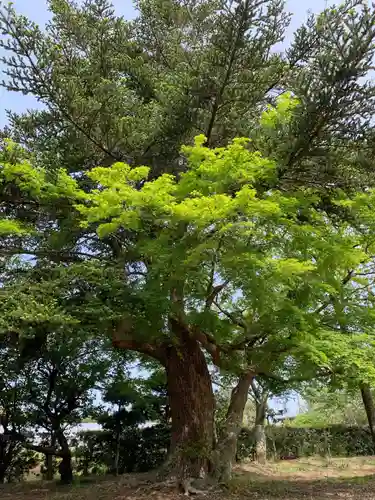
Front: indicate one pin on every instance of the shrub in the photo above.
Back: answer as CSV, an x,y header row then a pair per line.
x,y
336,440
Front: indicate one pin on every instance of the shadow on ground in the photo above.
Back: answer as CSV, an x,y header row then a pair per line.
x,y
304,479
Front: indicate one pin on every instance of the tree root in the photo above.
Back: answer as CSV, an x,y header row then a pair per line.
x,y
188,487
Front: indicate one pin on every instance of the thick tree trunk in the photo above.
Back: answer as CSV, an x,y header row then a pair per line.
x,y
368,403
260,442
192,407
225,453
65,466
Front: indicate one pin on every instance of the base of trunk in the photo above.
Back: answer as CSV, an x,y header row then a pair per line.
x,y
65,470
226,449
260,444
192,404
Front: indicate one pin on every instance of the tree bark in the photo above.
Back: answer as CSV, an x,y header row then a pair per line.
x,y
65,466
260,444
117,449
49,467
260,441
368,403
192,405
49,461
225,453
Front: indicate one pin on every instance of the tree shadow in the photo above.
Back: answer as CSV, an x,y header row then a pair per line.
x,y
264,487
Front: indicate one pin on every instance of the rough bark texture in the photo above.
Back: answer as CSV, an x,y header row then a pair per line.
x,y
368,403
225,453
192,406
260,441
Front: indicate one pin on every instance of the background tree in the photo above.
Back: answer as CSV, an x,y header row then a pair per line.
x,y
325,407
14,461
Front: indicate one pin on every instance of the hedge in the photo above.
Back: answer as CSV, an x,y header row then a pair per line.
x,y
145,449
336,440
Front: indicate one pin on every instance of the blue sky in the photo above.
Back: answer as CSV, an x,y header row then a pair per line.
x,y
37,11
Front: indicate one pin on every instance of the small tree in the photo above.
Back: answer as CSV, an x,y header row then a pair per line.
x,y
14,460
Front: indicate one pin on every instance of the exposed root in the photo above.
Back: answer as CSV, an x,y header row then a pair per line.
x,y
188,487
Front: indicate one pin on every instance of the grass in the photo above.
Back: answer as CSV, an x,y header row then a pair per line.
x,y
303,479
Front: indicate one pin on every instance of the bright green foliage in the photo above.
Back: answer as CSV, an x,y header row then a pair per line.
x,y
275,116
260,272
327,407
11,227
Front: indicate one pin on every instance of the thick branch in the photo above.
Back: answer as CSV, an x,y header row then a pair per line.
x,y
123,338
208,343
19,438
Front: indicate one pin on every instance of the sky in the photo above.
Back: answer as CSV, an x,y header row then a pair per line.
x,y
36,10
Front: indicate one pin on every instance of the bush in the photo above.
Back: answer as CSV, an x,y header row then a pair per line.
x,y
141,450
145,449
337,440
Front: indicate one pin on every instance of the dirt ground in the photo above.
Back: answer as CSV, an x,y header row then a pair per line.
x,y
309,479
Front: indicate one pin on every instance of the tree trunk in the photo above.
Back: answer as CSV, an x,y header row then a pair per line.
x,y
117,454
65,466
192,407
49,467
7,452
50,462
368,403
3,470
225,453
260,442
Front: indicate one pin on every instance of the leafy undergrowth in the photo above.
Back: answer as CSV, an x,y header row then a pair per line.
x,y
309,479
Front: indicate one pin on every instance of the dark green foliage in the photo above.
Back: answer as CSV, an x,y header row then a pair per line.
x,y
135,91
293,442
141,450
145,449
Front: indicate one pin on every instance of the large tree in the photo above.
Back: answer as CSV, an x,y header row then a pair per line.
x,y
214,268
216,263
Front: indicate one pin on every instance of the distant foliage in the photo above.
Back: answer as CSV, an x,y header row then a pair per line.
x,y
287,442
141,450
145,449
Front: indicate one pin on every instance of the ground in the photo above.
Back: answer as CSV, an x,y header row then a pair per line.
x,y
308,479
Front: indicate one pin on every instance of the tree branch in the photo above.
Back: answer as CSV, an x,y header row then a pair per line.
x,y
230,316
123,338
214,293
